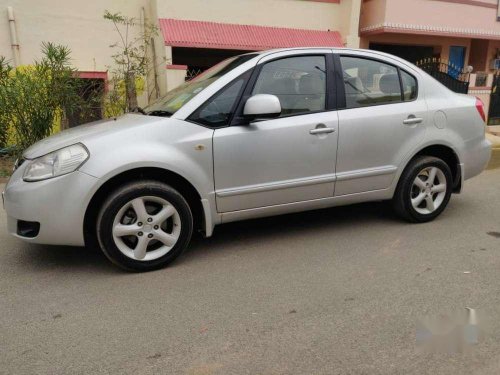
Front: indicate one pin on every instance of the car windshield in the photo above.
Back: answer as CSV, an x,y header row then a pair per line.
x,y
175,99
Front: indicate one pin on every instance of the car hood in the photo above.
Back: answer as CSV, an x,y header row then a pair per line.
x,y
85,132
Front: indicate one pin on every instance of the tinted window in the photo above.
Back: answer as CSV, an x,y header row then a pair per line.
x,y
299,83
216,111
409,86
369,82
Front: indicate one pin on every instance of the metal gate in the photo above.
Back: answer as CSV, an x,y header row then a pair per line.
x,y
494,111
192,72
451,76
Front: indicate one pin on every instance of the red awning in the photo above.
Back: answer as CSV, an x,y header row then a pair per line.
x,y
201,34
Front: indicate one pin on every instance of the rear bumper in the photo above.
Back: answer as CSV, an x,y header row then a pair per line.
x,y
57,204
476,158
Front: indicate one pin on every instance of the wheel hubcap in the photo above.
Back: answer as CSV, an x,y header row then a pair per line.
x,y
428,190
146,228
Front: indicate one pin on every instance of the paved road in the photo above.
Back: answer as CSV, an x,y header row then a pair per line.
x,y
337,291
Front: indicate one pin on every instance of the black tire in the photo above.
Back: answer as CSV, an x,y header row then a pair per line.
x,y
401,201
121,197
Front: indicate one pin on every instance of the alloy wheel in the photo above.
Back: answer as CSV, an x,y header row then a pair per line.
x,y
146,228
428,190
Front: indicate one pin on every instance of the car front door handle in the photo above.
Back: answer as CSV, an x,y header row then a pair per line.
x,y
321,130
413,120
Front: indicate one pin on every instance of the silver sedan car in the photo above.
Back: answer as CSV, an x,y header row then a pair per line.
x,y
259,134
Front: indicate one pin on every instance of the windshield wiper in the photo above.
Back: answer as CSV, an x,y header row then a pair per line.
x,y
139,110
161,113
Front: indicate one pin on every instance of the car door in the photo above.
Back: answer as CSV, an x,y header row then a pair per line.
x,y
286,159
383,120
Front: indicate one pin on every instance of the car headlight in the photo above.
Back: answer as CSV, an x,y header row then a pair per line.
x,y
57,163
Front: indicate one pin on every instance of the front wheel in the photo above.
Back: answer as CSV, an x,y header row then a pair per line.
x,y
424,190
144,226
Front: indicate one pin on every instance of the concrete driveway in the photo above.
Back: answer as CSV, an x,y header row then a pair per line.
x,y
337,291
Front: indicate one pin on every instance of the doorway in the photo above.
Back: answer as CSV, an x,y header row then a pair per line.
x,y
457,58
409,53
200,59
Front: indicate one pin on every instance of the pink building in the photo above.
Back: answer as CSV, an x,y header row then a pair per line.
x,y
465,33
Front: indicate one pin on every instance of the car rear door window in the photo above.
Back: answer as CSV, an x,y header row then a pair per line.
x,y
369,82
299,82
409,83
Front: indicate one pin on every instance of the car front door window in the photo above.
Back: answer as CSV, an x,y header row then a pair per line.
x,y
217,111
299,82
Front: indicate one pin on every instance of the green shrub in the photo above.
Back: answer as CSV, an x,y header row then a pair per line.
x,y
33,98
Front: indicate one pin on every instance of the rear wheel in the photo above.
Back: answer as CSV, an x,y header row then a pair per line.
x,y
424,189
144,226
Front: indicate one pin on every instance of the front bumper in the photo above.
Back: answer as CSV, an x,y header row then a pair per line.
x,y
58,204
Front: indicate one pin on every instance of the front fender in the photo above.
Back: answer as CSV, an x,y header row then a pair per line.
x,y
188,155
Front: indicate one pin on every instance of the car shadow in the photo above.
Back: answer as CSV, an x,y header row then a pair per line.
x,y
297,224
78,259
225,238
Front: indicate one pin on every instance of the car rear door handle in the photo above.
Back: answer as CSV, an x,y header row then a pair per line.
x,y
413,120
322,130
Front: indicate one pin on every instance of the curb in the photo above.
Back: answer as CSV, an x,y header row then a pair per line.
x,y
495,159
495,151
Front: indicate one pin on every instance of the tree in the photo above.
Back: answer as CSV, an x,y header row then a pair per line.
x,y
131,60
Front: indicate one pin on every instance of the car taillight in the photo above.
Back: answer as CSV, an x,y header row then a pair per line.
x,y
480,109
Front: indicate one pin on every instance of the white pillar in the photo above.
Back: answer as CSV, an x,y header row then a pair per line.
x,y
350,29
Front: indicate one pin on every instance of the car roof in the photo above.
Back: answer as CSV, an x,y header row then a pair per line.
x,y
335,49
365,52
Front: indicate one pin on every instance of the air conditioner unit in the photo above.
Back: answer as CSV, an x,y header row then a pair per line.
x,y
495,64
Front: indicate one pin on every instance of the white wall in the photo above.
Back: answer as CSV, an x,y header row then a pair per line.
x,y
74,23
282,13
175,77
349,22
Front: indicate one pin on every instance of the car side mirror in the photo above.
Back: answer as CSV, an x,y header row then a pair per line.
x,y
262,106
